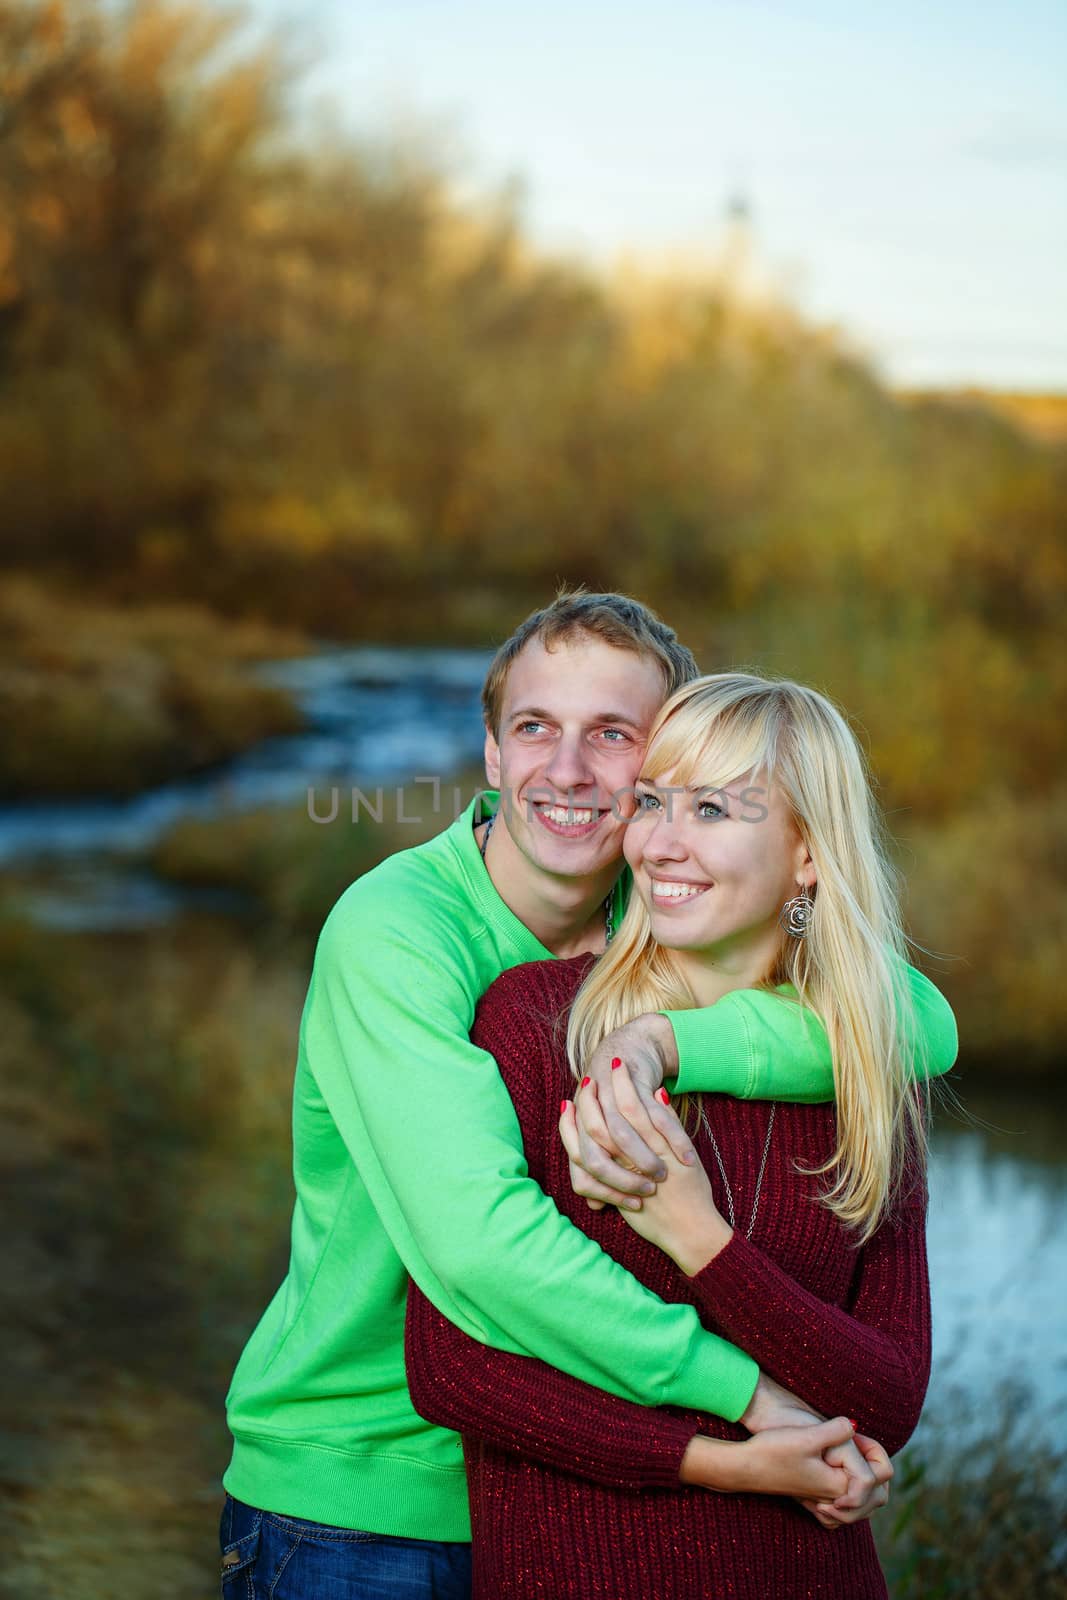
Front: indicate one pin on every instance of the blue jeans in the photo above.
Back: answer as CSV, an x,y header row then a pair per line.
x,y
270,1557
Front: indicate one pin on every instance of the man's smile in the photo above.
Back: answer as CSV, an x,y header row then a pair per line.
x,y
569,821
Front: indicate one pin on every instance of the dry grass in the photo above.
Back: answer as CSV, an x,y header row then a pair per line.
x,y
144,1115
1044,415
97,698
987,889
293,866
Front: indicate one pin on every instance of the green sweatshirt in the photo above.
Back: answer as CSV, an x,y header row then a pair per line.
x,y
408,1159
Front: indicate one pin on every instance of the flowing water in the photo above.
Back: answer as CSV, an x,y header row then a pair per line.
x,y
372,716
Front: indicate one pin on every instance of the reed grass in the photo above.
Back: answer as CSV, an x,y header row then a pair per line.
x,y
98,698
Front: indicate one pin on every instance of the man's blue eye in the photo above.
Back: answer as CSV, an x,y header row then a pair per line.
x,y
525,727
614,734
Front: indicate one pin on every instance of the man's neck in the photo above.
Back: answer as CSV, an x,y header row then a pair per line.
x,y
566,914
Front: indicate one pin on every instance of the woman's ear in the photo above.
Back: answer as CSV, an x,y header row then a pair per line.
x,y
492,759
804,868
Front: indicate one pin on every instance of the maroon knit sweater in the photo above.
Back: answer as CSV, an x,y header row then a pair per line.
x,y
574,1493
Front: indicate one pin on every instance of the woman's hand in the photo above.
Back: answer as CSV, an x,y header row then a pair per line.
x,y
613,1155
680,1217
789,1461
862,1497
786,1461
864,1462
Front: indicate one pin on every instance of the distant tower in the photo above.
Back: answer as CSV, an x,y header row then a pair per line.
x,y
736,253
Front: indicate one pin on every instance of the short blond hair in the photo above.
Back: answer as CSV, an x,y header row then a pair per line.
x,y
615,618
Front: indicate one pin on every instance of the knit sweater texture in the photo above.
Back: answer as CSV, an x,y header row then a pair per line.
x,y
574,1493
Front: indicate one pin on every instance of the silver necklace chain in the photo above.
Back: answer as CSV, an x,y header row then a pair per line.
x,y
609,908
706,1125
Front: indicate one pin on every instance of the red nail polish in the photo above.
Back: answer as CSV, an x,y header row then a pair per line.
x,y
661,1094
616,1061
563,1106
855,1425
584,1082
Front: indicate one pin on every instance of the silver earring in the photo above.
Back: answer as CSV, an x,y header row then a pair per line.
x,y
795,916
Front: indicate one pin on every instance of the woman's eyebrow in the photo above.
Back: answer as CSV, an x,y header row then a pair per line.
x,y
690,788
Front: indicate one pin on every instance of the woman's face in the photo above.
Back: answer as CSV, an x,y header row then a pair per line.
x,y
714,868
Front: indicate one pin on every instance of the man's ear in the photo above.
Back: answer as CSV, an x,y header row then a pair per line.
x,y
492,759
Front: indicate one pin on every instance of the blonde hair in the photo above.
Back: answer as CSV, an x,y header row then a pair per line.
x,y
850,969
615,619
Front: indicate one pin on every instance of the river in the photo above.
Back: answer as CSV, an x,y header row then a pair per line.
x,y
371,716
997,1235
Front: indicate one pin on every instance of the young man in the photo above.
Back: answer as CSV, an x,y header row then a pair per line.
x,y
407,1154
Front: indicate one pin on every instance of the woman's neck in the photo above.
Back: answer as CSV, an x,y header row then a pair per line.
x,y
718,971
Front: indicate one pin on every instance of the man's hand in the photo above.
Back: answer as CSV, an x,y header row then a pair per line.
x,y
619,1120
862,1499
866,1465
786,1460
772,1406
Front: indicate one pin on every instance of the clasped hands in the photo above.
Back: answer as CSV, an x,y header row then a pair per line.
x,y
627,1148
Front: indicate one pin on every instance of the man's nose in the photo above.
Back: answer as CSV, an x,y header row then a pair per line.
x,y
569,766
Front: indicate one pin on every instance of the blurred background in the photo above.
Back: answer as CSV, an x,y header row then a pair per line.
x,y
331,342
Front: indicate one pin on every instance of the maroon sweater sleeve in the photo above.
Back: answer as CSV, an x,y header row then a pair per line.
x,y
522,1405
516,1402
870,1361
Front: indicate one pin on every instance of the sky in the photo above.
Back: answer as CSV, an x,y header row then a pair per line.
x,y
904,166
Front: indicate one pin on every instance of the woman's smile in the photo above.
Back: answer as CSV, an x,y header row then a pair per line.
x,y
673,892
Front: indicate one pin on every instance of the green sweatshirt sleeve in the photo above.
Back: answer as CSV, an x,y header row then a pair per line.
x,y
434,1137
759,1044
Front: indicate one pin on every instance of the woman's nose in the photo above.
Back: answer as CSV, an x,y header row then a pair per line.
x,y
664,841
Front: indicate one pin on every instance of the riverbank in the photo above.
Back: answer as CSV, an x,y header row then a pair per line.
x,y
995,941
96,698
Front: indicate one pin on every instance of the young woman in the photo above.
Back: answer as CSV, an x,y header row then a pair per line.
x,y
796,1231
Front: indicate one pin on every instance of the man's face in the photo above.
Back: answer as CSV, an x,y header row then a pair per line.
x,y
573,730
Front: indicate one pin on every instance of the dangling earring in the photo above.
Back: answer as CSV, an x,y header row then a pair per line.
x,y
795,916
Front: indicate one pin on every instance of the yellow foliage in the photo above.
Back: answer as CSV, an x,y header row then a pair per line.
x,y
238,353
988,894
283,522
